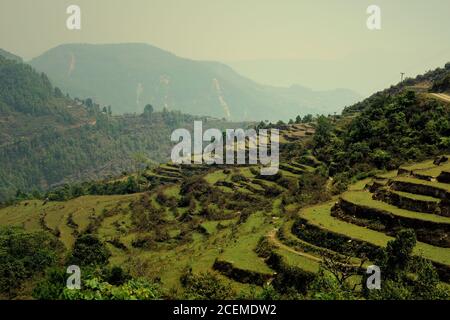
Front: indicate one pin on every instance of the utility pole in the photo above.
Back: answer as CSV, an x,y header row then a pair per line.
x,y
402,73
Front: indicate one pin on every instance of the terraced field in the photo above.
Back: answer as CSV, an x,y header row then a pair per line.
x,y
222,237
225,244
373,210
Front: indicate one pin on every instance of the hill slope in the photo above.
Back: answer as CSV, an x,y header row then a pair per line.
x,y
9,55
127,76
47,138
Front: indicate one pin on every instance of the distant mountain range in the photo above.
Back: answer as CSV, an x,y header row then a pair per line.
x,y
47,139
129,76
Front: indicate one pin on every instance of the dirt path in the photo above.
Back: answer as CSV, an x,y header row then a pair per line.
x,y
441,96
273,239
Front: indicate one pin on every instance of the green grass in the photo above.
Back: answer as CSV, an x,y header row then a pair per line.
x,y
289,174
173,191
360,185
276,206
435,171
321,216
216,176
210,226
364,199
298,261
387,175
300,245
419,166
27,213
241,252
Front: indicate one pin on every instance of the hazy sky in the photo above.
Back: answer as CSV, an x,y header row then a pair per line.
x,y
275,42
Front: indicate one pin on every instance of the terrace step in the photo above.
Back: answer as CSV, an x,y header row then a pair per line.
x,y
168,173
230,270
430,228
411,201
300,166
292,241
290,168
168,167
320,217
160,178
285,260
422,187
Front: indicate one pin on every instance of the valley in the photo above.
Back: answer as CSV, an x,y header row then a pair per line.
x,y
367,187
238,225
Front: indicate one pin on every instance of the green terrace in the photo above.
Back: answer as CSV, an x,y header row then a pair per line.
x,y
364,199
321,217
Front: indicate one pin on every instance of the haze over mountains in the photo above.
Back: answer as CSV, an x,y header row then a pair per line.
x,y
47,138
128,76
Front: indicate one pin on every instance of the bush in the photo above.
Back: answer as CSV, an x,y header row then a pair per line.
x,y
88,250
23,255
205,286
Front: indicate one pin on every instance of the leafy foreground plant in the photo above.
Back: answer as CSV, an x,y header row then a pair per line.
x,y
97,284
24,255
406,276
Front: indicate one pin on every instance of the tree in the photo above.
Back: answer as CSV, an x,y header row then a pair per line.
x,y
89,103
205,286
24,254
326,286
308,118
380,158
148,111
89,250
399,253
404,276
323,131
52,286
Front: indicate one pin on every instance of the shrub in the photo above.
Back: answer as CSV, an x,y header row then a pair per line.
x,y
88,250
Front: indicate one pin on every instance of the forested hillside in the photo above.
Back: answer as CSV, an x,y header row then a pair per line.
x,y
409,122
47,138
433,81
9,55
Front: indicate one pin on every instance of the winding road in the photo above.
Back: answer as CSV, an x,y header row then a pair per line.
x,y
441,96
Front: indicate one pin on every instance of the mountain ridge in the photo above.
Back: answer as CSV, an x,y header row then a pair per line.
x,y
152,75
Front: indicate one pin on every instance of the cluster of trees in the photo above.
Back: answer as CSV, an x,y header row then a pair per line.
x,y
50,139
24,255
389,131
443,84
267,125
98,280
87,152
436,77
